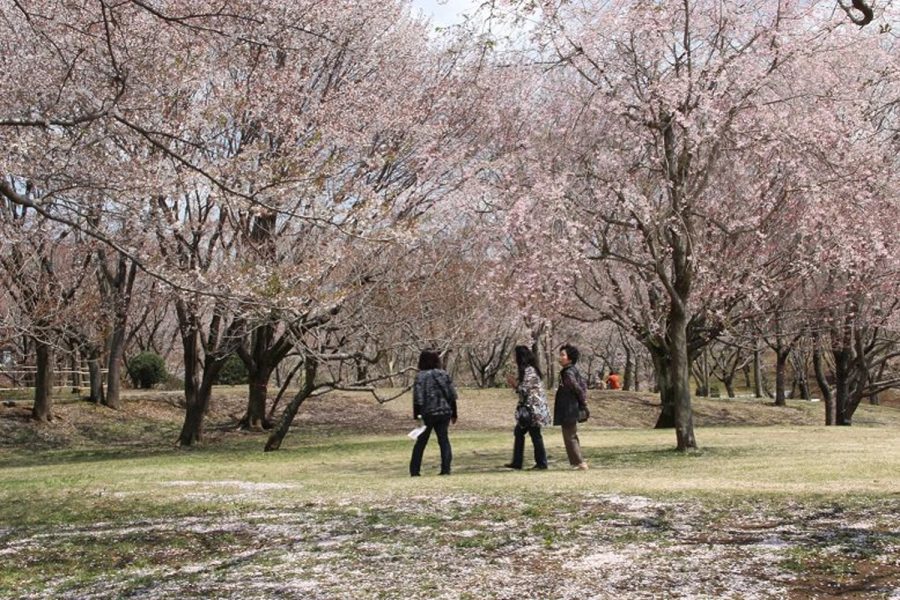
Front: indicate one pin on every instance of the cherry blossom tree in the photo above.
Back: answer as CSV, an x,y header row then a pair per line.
x,y
260,142
676,135
42,269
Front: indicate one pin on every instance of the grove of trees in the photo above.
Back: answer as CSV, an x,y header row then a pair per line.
x,y
320,190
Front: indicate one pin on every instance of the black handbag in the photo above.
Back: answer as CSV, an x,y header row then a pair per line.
x,y
583,414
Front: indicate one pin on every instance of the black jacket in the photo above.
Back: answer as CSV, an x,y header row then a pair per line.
x,y
570,396
434,394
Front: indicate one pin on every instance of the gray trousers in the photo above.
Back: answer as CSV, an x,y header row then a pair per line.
x,y
573,447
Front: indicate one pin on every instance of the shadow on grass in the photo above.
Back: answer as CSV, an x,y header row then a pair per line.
x,y
119,450
638,456
228,445
350,454
489,459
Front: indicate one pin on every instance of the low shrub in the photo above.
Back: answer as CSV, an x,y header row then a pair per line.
x,y
233,372
146,370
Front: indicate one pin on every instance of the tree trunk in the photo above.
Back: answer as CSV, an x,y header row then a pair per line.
x,y
195,407
673,377
729,385
197,392
628,383
661,365
261,359
391,361
116,288
362,371
192,429
28,378
704,376
637,374
43,384
282,388
256,404
822,381
781,357
746,371
541,347
75,366
96,377
757,374
680,378
114,364
290,411
842,386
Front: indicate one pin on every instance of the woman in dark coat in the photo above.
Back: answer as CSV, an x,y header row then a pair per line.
x,y
434,400
570,400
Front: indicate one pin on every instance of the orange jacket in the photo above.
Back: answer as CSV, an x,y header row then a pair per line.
x,y
613,382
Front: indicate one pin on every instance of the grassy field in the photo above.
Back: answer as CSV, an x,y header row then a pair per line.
x,y
100,504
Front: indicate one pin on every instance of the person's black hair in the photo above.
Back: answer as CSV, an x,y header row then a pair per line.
x,y
572,352
429,359
526,358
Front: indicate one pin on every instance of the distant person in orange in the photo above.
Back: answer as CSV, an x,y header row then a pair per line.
x,y
613,381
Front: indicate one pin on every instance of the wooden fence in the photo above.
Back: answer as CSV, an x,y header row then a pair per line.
x,y
23,376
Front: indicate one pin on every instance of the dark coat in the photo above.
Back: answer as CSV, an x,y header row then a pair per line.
x,y
570,396
434,395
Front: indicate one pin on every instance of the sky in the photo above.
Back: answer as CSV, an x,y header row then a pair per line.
x,y
445,12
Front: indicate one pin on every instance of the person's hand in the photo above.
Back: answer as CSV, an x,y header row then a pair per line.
x,y
453,420
511,381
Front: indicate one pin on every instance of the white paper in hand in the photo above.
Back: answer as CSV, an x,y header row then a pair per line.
x,y
415,433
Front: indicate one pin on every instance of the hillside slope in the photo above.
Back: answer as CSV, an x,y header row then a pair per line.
x,y
152,419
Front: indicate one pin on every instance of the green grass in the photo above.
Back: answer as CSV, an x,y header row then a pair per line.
x,y
85,485
104,496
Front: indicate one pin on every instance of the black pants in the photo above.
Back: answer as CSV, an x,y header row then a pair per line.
x,y
440,426
537,440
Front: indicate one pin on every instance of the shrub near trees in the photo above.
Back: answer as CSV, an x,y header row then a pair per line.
x,y
146,370
233,371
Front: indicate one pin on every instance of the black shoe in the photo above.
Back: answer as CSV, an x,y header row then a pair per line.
x,y
539,468
511,466
444,473
413,474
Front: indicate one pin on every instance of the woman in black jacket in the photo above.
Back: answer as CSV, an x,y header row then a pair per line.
x,y
434,400
570,400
